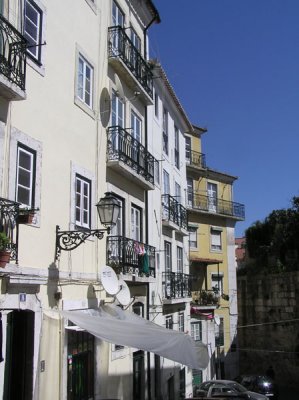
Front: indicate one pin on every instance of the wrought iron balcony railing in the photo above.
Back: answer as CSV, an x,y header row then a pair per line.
x,y
9,211
12,54
173,211
120,46
129,256
176,285
196,159
124,147
213,205
205,298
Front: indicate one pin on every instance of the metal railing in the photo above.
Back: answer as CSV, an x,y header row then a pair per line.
x,y
9,211
12,54
173,211
176,285
124,147
196,159
205,298
214,205
129,256
121,46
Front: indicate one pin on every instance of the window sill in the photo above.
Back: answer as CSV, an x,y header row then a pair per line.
x,y
84,107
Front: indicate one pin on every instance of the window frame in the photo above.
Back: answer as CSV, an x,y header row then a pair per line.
x,y
181,322
188,148
165,135
32,172
217,278
169,322
215,233
137,211
39,37
156,104
168,256
176,147
86,64
179,258
83,181
196,334
193,229
219,333
166,180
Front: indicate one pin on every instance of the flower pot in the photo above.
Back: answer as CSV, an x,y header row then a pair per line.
x,y
26,218
4,258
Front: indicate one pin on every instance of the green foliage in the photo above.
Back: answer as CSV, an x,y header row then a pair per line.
x,y
273,244
4,241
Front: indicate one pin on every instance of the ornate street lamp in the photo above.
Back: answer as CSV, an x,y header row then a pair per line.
x,y
108,209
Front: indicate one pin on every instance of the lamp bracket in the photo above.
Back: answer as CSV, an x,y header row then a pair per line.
x,y
70,240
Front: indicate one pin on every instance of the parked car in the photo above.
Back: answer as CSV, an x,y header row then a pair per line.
x,y
260,384
227,389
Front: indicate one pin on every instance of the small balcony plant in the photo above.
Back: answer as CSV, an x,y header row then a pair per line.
x,y
26,216
4,249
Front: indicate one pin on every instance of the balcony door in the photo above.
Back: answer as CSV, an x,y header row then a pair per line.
x,y
136,132
117,20
135,223
190,192
212,197
117,121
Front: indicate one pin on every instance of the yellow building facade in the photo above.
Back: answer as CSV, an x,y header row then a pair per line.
x,y
212,218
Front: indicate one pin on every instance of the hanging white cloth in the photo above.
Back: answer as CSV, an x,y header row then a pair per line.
x,y
114,325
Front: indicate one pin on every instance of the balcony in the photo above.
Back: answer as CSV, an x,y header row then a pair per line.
x,y
9,211
201,203
195,159
130,257
174,214
12,62
128,62
130,158
175,286
205,298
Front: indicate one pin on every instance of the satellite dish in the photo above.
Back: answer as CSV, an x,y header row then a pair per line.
x,y
123,295
105,107
109,280
119,87
217,319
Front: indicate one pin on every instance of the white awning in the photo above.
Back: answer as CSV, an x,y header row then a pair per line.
x,y
117,326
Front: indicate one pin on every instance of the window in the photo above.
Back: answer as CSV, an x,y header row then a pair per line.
x,y
179,257
176,148
190,191
216,244
135,40
83,201
177,189
219,333
168,258
169,322
217,283
196,331
117,112
192,236
117,15
33,29
136,126
166,185
85,81
25,183
157,172
165,131
156,102
138,308
135,223
181,322
188,149
212,196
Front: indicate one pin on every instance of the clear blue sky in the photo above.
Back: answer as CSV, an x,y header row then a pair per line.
x,y
234,65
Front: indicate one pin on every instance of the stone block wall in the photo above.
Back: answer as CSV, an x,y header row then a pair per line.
x,y
268,325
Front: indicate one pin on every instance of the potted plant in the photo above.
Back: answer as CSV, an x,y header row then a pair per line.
x,y
4,250
26,216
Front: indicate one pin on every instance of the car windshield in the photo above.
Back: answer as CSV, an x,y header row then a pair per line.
x,y
237,387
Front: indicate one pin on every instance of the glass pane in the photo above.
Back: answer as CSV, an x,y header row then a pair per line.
x,y
24,160
24,178
23,196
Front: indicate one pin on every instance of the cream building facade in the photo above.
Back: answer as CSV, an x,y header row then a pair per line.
x,y
83,112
